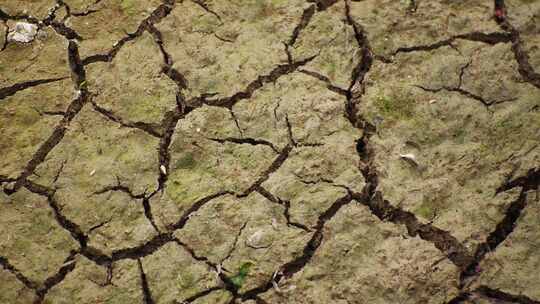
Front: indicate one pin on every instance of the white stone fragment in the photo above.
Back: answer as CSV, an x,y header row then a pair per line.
x,y
409,158
23,32
259,239
68,263
275,224
255,238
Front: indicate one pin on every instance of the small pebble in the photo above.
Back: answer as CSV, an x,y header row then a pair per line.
x,y
23,32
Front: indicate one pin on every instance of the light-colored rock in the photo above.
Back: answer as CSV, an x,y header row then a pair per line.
x,y
23,32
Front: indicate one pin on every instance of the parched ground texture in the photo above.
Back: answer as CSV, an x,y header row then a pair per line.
x,y
270,151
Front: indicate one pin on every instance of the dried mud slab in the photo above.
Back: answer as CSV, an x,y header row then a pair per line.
x,y
445,114
182,278
3,38
36,8
89,283
396,26
218,297
203,164
231,232
99,186
33,243
328,36
504,87
109,22
27,119
132,87
13,291
42,59
307,201
249,36
362,259
297,102
526,19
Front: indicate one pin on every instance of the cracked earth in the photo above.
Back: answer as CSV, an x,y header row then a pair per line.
x,y
270,151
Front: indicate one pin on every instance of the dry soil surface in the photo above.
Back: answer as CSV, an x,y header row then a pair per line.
x,y
270,151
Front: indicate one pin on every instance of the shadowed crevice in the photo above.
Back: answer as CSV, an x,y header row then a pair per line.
x,y
149,128
359,72
11,90
200,294
245,140
370,196
204,6
57,278
167,68
530,181
329,85
323,4
143,250
499,295
4,262
276,164
227,282
441,239
465,93
170,120
147,293
525,68
307,15
78,76
286,208
155,17
195,207
488,38
252,87
288,269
